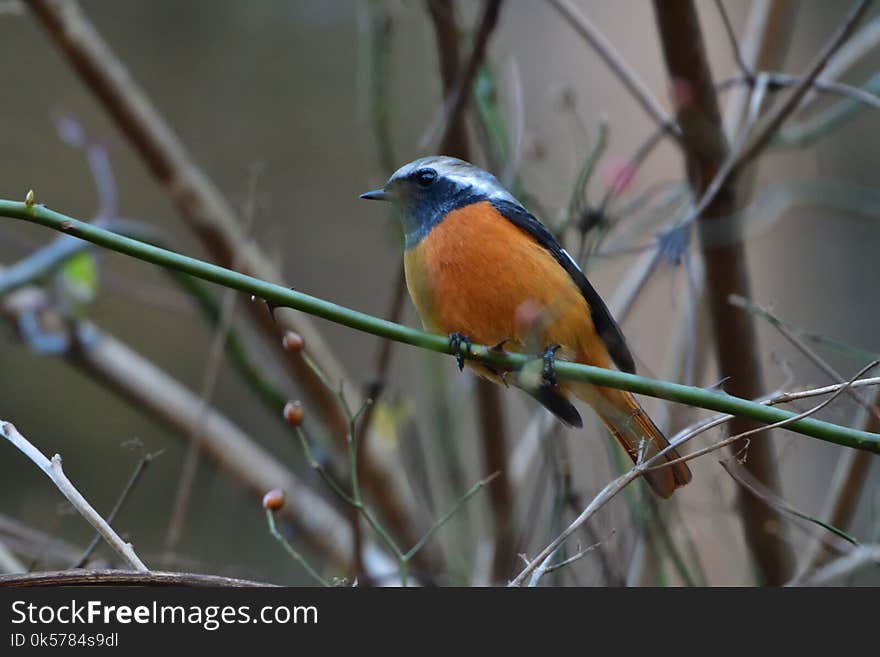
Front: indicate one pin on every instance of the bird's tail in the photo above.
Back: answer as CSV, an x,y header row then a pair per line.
x,y
636,432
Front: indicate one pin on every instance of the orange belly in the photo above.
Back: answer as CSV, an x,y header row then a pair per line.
x,y
478,274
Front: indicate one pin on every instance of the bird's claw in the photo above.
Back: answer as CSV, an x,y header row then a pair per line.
x,y
549,371
455,341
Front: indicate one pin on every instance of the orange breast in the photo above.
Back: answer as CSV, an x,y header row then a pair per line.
x,y
479,274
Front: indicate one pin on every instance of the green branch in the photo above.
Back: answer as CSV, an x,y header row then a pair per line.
x,y
281,296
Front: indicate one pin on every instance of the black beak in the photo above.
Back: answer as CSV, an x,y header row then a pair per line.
x,y
376,195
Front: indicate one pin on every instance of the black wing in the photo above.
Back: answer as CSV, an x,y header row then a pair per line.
x,y
557,404
608,329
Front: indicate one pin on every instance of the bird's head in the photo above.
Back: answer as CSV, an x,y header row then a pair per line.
x,y
424,191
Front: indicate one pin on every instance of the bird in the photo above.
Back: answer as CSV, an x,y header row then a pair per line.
x,y
481,268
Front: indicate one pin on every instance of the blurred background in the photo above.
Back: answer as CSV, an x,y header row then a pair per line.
x,y
291,89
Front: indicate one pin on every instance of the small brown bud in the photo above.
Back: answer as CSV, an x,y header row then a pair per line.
x,y
274,500
293,342
293,413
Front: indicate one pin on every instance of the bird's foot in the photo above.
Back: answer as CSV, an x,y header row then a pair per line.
x,y
549,371
455,341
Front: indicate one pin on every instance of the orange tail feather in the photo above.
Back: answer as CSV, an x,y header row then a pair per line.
x,y
638,435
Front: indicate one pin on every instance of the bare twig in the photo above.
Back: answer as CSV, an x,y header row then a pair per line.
x,y
864,555
273,529
618,66
710,165
213,363
738,437
121,578
743,478
35,545
765,133
765,41
457,96
139,469
455,143
734,43
55,472
148,388
618,484
207,211
844,492
779,81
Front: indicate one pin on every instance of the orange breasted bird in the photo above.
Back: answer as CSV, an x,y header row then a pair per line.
x,y
480,267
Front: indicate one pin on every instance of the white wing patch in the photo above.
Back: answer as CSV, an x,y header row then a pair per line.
x,y
571,260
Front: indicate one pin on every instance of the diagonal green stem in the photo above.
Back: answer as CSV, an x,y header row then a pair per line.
x,y
282,296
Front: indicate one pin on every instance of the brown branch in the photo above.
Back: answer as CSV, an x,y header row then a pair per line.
x,y
458,96
618,66
204,208
765,133
121,578
489,405
126,373
709,172
656,461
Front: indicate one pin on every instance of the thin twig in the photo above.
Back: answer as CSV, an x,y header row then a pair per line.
x,y
273,529
139,469
734,43
780,81
149,389
862,556
846,386
203,206
617,485
710,163
213,363
766,132
457,99
618,66
55,472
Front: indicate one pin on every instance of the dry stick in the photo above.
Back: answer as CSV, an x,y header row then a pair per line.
x,y
709,160
844,492
765,134
214,361
779,81
846,386
821,534
454,134
801,346
852,467
455,143
617,485
205,209
121,578
862,43
36,545
738,55
618,66
767,33
54,471
859,558
123,498
125,372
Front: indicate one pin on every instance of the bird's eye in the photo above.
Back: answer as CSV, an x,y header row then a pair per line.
x,y
425,177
